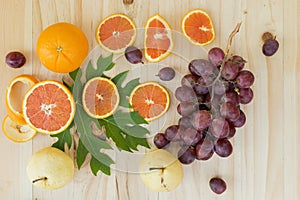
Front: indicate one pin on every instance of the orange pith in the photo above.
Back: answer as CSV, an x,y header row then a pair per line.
x,y
100,97
49,107
150,99
158,39
115,33
198,27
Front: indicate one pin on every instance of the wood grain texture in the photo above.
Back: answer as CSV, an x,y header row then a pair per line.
x,y
265,164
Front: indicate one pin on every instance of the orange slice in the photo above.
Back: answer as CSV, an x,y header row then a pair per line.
x,y
48,107
115,33
158,39
150,99
15,93
17,132
100,97
197,27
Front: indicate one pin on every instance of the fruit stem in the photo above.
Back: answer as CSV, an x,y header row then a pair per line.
x,y
156,168
40,179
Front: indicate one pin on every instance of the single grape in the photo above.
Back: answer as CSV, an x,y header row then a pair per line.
x,y
232,131
230,70
185,122
189,80
245,95
190,136
223,147
201,67
172,133
186,108
240,121
204,149
201,119
220,127
15,59
239,61
244,79
216,56
160,140
230,111
217,185
133,55
185,94
270,47
200,90
186,155
220,87
166,74
231,97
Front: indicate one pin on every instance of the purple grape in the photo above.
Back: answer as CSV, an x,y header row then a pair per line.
x,y
230,111
185,122
204,149
201,120
223,147
239,61
133,55
185,94
230,71
166,74
245,95
217,185
172,133
186,108
200,90
270,47
232,131
220,128
216,56
160,140
244,79
15,59
186,155
189,80
231,97
240,121
188,136
220,87
201,67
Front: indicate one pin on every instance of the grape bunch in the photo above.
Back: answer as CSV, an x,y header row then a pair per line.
x,y
209,104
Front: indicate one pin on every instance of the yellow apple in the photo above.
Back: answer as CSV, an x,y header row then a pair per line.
x,y
50,168
160,171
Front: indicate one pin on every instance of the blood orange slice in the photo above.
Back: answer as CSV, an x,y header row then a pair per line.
x,y
48,107
100,97
17,132
15,93
150,99
115,33
198,27
158,39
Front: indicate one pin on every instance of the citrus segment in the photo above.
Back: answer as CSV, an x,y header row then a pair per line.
x,y
150,99
198,27
100,97
62,47
158,39
15,93
115,33
49,107
17,132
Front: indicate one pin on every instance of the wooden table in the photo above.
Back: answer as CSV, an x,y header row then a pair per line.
x,y
266,160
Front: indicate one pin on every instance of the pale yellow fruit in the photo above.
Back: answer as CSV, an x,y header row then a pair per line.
x,y
161,171
50,168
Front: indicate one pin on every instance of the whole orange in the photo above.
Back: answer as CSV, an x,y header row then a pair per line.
x,y
62,47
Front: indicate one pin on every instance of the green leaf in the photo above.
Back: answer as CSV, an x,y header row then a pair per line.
x,y
81,154
98,166
124,92
103,64
63,137
121,125
73,74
